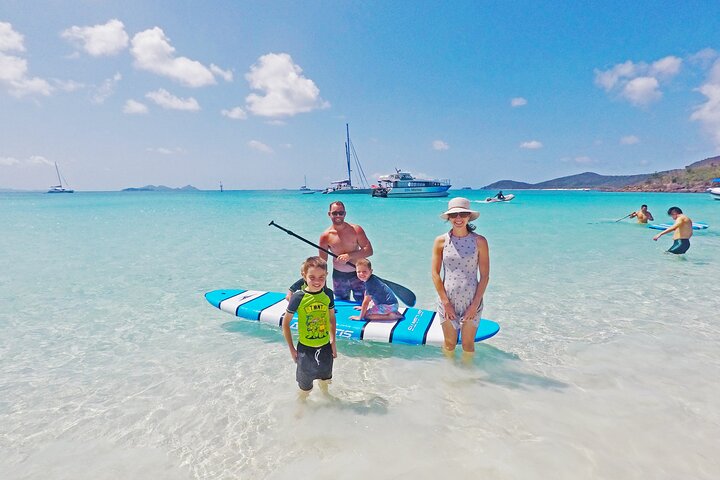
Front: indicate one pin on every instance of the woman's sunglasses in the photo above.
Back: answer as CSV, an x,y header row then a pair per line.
x,y
462,214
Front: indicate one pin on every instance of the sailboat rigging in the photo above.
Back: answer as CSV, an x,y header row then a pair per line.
x,y
346,186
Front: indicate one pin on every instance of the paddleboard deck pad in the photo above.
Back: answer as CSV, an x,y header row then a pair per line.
x,y
665,226
417,327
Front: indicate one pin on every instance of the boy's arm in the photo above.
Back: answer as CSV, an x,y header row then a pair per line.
x,y
287,319
363,308
294,288
333,329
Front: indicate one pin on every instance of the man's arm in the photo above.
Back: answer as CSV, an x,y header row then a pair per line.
x,y
324,244
650,217
675,226
363,242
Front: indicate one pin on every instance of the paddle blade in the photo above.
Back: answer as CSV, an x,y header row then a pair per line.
x,y
403,293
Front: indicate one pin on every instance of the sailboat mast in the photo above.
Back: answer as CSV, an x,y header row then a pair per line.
x,y
58,174
347,152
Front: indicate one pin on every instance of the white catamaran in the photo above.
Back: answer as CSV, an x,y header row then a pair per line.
x,y
346,186
59,187
403,184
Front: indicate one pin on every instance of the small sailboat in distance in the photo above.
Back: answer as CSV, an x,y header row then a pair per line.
x,y
59,187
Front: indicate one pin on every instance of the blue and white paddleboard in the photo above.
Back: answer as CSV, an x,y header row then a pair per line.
x,y
418,327
665,226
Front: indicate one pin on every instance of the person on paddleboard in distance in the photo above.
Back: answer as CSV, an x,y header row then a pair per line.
x,y
349,242
461,254
384,302
682,229
642,215
316,327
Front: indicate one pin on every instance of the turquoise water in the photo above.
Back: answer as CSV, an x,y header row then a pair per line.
x,y
112,365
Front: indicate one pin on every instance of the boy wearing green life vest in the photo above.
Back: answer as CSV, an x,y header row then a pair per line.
x,y
315,307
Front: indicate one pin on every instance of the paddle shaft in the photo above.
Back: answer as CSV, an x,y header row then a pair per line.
x,y
626,216
403,293
290,232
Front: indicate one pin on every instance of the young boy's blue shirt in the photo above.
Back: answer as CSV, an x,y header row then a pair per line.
x,y
379,292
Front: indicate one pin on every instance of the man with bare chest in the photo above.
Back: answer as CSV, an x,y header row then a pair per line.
x,y
349,243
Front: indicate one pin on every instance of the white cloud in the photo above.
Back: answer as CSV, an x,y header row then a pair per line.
x,y
584,160
8,161
68,85
226,75
642,90
105,91
10,40
609,78
276,123
629,140
99,40
167,151
30,161
167,100
39,160
14,70
285,91
708,113
236,113
152,52
259,146
440,145
518,102
638,83
133,107
531,145
704,57
666,67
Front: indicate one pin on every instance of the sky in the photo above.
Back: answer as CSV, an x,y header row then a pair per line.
x,y
256,94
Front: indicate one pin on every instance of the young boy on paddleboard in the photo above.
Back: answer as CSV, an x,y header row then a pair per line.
x,y
315,306
384,302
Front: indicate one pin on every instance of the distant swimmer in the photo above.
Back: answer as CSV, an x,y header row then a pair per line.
x,y
683,231
642,215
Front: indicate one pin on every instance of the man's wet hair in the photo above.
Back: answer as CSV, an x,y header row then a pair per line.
x,y
672,210
336,202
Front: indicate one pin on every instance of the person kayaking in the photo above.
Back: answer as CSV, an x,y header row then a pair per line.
x,y
642,215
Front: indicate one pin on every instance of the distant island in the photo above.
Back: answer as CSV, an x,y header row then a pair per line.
x,y
696,177
159,188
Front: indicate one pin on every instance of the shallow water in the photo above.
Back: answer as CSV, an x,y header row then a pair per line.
x,y
112,365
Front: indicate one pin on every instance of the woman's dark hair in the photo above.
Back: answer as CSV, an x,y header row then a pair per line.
x,y
471,227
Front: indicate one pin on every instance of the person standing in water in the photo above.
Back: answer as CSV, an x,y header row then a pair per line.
x,y
461,254
642,215
349,243
316,327
682,229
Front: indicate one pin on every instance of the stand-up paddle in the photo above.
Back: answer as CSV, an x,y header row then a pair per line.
x,y
403,293
626,216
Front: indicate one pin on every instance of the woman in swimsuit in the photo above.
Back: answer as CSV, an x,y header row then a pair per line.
x,y
462,254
